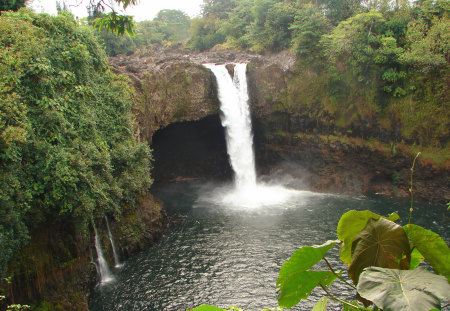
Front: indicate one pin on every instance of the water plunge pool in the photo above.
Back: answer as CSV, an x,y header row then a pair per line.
x,y
225,255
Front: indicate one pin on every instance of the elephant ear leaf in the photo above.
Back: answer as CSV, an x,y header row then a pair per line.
x,y
382,243
296,281
412,290
350,224
432,247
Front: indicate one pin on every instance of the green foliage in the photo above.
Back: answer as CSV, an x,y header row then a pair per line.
x,y
18,307
376,62
321,305
432,247
236,26
416,259
169,28
218,8
339,10
309,26
278,21
428,43
349,226
67,146
13,5
392,289
118,24
354,42
205,33
382,243
296,271
378,249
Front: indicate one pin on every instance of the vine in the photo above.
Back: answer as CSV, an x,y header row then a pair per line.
x,y
411,188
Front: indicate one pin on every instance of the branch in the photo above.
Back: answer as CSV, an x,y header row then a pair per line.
x,y
337,275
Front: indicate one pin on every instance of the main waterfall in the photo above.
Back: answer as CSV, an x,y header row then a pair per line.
x,y
233,96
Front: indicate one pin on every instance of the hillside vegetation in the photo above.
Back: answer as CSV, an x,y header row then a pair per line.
x,y
359,63
67,146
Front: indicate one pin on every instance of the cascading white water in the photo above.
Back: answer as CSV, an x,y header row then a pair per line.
x,y
233,96
105,274
236,119
113,245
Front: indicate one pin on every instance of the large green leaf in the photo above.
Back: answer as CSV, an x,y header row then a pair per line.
x,y
396,290
432,247
206,308
321,305
303,259
416,259
382,243
350,224
300,286
295,282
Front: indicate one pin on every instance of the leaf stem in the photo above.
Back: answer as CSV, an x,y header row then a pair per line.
x,y
337,275
337,299
411,188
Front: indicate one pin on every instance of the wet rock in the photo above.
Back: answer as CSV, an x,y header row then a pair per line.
x,y
230,68
337,167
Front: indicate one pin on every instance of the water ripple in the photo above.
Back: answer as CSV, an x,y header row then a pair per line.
x,y
231,257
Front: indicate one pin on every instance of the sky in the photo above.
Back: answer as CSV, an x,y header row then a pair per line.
x,y
145,10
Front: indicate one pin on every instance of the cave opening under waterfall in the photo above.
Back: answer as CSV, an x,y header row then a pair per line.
x,y
191,150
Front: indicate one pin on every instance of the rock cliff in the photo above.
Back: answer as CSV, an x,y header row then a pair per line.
x,y
358,156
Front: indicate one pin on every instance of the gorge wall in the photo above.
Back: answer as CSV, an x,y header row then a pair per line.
x,y
358,155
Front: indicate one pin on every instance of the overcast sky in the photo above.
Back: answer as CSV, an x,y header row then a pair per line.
x,y
145,10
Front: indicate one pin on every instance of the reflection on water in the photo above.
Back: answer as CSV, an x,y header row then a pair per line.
x,y
228,256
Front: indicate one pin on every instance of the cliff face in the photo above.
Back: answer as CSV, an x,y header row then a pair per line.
x,y
357,156
339,151
168,91
328,163
175,87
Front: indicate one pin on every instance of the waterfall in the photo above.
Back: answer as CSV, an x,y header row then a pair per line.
x,y
105,274
113,245
233,97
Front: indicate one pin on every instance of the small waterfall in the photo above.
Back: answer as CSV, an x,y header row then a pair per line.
x,y
113,246
233,96
105,274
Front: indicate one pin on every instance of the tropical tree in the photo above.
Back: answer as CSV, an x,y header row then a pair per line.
x,y
309,26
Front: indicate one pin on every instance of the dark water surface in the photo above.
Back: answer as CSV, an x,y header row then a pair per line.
x,y
227,256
